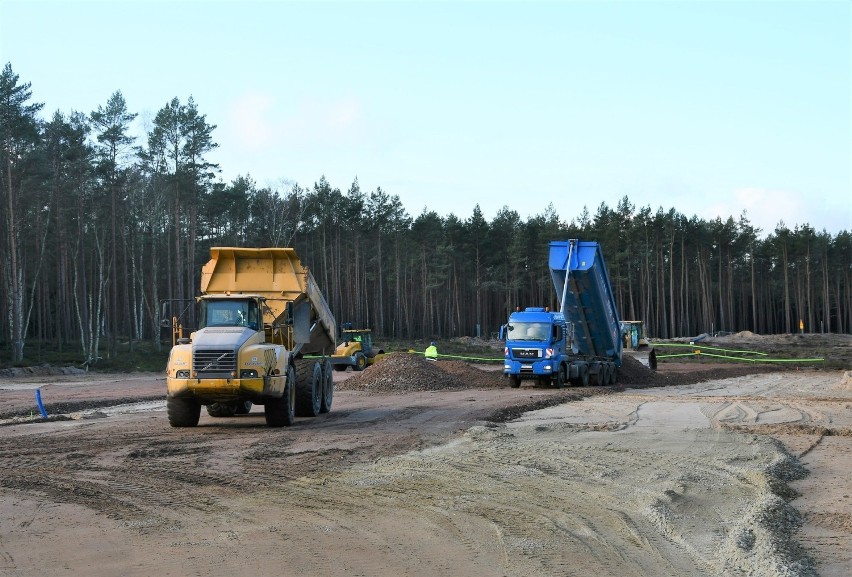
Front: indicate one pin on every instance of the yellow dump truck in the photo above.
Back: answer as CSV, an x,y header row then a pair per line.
x,y
259,315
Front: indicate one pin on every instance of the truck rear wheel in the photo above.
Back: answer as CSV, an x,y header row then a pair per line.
x,y
183,412
282,412
308,388
597,378
584,375
327,387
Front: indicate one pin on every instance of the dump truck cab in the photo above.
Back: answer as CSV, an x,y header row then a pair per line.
x,y
232,311
536,340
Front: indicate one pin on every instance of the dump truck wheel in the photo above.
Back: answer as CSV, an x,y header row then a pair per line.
x,y
183,412
560,377
243,408
604,378
282,412
360,362
308,388
514,381
584,375
327,387
221,410
597,378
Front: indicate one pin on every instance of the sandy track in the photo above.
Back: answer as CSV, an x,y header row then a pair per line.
x,y
665,481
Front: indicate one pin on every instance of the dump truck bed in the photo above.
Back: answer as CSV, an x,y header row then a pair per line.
x,y
587,299
278,275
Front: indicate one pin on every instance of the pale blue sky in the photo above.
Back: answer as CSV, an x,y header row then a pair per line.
x,y
710,108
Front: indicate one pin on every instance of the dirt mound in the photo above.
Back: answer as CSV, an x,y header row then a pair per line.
x,y
406,372
633,372
40,371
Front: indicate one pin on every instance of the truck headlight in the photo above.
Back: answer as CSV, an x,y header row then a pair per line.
x,y
248,374
182,374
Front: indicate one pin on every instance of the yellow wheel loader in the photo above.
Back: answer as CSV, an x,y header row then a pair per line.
x,y
356,350
637,345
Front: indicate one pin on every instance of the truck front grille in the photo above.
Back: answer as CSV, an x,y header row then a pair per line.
x,y
213,361
527,353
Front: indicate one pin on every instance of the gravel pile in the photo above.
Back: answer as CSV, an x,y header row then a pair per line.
x,y
40,371
406,372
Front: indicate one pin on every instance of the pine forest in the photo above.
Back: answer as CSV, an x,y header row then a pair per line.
x,y
99,227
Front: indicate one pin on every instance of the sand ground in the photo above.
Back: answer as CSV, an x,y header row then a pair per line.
x,y
731,476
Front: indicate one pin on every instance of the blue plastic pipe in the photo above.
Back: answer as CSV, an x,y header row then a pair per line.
x,y
40,404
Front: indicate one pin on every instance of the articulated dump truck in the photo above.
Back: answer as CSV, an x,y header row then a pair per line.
x,y
260,314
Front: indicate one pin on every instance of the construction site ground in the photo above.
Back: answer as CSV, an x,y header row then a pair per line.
x,y
440,468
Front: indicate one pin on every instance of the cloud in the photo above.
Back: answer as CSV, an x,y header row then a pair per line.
x,y
251,122
324,122
259,122
764,208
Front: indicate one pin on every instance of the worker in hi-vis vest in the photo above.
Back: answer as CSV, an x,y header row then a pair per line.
x,y
431,352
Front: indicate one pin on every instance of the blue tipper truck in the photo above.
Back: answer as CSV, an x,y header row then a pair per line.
x,y
581,343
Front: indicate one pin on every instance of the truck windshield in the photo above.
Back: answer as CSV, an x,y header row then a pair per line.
x,y
228,313
528,332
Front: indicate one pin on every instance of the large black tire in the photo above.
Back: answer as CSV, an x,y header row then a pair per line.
x,y
652,360
514,381
596,378
327,387
308,388
183,412
282,412
242,408
221,410
360,362
561,377
584,375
